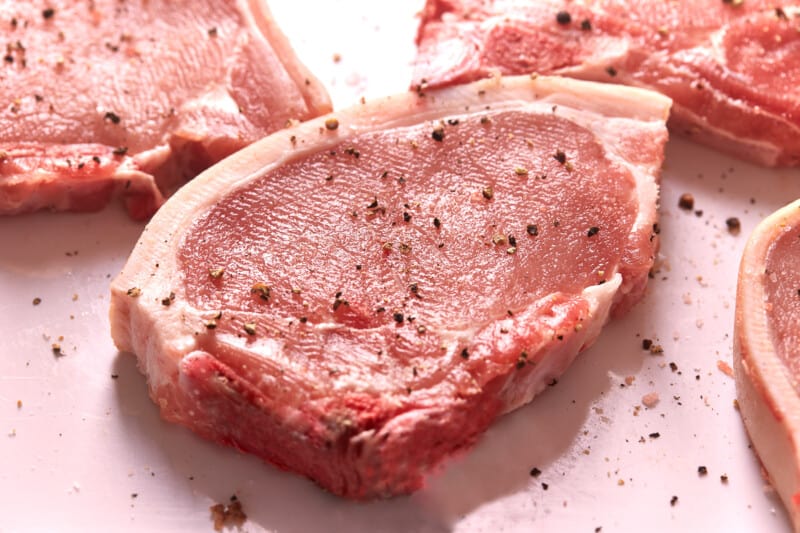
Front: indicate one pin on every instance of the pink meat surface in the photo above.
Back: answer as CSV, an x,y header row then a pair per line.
x,y
357,303
132,99
783,298
732,69
767,350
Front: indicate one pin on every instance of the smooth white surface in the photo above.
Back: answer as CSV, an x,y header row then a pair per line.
x,y
82,444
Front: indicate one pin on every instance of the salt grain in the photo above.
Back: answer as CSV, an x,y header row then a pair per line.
x,y
650,400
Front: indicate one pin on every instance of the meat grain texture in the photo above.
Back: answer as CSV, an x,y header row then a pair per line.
x,y
132,99
357,304
767,349
732,69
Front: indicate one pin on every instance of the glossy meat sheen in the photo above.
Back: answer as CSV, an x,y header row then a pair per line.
x,y
389,287
133,98
733,71
767,347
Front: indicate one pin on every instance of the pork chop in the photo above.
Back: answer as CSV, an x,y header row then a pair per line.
x,y
107,98
358,297
732,69
767,350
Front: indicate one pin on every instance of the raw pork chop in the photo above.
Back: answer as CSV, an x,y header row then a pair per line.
x,y
358,297
767,350
731,68
106,98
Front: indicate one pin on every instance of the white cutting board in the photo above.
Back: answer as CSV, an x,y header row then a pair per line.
x,y
87,452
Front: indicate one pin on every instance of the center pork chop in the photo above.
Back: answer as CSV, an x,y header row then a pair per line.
x,y
731,68
133,98
358,297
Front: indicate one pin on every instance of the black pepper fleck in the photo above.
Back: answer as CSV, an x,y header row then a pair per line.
x,y
563,18
686,201
734,226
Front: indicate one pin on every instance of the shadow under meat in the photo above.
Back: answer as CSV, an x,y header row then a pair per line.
x,y
36,244
499,464
540,434
276,500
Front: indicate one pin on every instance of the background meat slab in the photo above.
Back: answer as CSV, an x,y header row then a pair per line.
x,y
732,69
132,99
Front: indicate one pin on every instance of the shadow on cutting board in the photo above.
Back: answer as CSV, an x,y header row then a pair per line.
x,y
548,434
276,500
539,435
54,245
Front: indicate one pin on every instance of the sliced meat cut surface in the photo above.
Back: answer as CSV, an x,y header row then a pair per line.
x,y
132,99
358,297
767,350
732,69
